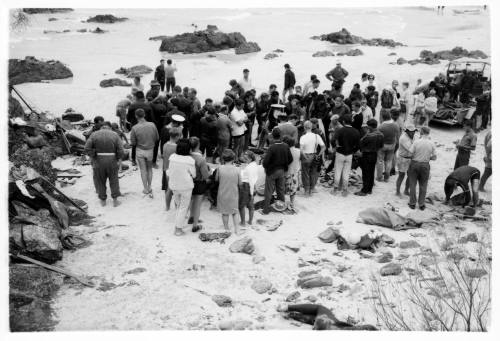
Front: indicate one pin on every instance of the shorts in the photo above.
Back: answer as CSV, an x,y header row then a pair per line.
x,y
164,181
144,154
200,187
245,198
402,164
291,184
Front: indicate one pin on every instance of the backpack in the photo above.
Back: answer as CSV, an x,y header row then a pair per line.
x,y
386,99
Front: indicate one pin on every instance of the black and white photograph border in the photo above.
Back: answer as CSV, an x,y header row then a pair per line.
x,y
255,154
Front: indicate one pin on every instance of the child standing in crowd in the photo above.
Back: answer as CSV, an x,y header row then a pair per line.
x,y
229,179
292,175
249,176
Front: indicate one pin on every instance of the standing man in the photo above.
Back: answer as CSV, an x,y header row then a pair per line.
x,y
430,106
465,145
487,162
337,75
308,86
160,74
223,126
422,152
403,158
238,118
143,137
347,142
369,146
246,82
275,163
367,112
170,70
106,150
137,85
391,131
289,82
309,144
139,103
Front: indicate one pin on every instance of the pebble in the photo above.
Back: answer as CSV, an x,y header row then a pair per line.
x,y
409,244
391,269
261,286
293,296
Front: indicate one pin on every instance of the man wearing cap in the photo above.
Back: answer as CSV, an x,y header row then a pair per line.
x,y
174,119
403,158
369,144
422,152
154,92
246,82
160,74
337,75
143,137
106,150
289,82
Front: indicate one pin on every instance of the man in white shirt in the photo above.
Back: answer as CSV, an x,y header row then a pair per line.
x,y
430,107
308,86
309,143
367,112
238,127
246,82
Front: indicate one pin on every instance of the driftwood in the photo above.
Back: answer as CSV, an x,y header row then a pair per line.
x,y
55,269
473,217
64,195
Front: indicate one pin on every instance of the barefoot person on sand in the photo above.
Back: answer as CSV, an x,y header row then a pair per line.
x,y
249,177
461,177
143,137
229,179
106,149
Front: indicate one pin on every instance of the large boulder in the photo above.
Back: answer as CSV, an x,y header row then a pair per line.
x,y
431,58
344,37
329,235
207,40
137,70
32,70
106,83
324,53
105,19
271,55
244,245
401,61
354,52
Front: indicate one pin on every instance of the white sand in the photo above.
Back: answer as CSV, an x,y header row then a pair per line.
x,y
161,301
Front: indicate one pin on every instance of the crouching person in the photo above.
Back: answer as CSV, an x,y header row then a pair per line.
x,y
106,150
461,177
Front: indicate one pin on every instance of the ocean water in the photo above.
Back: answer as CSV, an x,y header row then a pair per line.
x,y
94,57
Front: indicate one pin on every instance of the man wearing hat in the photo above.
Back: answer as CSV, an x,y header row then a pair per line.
x,y
160,74
337,75
403,158
154,92
174,119
369,144
289,82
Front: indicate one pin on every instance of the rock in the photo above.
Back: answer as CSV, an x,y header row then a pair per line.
x,y
311,298
431,58
106,19
244,245
271,56
471,237
106,83
402,255
470,211
386,239
211,236
324,53
98,30
135,271
409,244
314,282
293,247
401,61
366,254
427,261
354,52
212,28
53,19
137,70
344,37
206,41
385,257
258,259
235,325
46,10
413,62
278,51
261,286
307,273
32,70
222,301
83,30
391,269
293,296
329,235
248,47
343,287
392,54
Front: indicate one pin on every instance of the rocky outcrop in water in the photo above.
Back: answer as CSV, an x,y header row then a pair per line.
x,y
351,53
207,40
431,58
271,55
137,70
46,10
106,19
30,70
106,83
324,53
344,37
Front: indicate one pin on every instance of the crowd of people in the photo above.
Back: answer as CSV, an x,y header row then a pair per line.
x,y
213,149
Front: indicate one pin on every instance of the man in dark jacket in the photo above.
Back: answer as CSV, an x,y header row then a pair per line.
x,y
140,103
337,75
275,163
347,142
208,133
160,74
289,82
369,146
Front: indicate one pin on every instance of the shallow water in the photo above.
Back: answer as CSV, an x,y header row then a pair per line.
x,y
94,57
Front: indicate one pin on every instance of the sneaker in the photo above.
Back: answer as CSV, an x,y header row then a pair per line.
x,y
422,207
412,206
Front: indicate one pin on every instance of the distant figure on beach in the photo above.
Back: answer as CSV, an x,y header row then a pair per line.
x,y
246,82
170,70
105,148
160,74
289,82
137,85
337,75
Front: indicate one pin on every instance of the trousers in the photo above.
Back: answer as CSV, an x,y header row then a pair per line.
x,y
342,170
367,163
309,172
274,181
182,199
106,167
418,173
384,161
